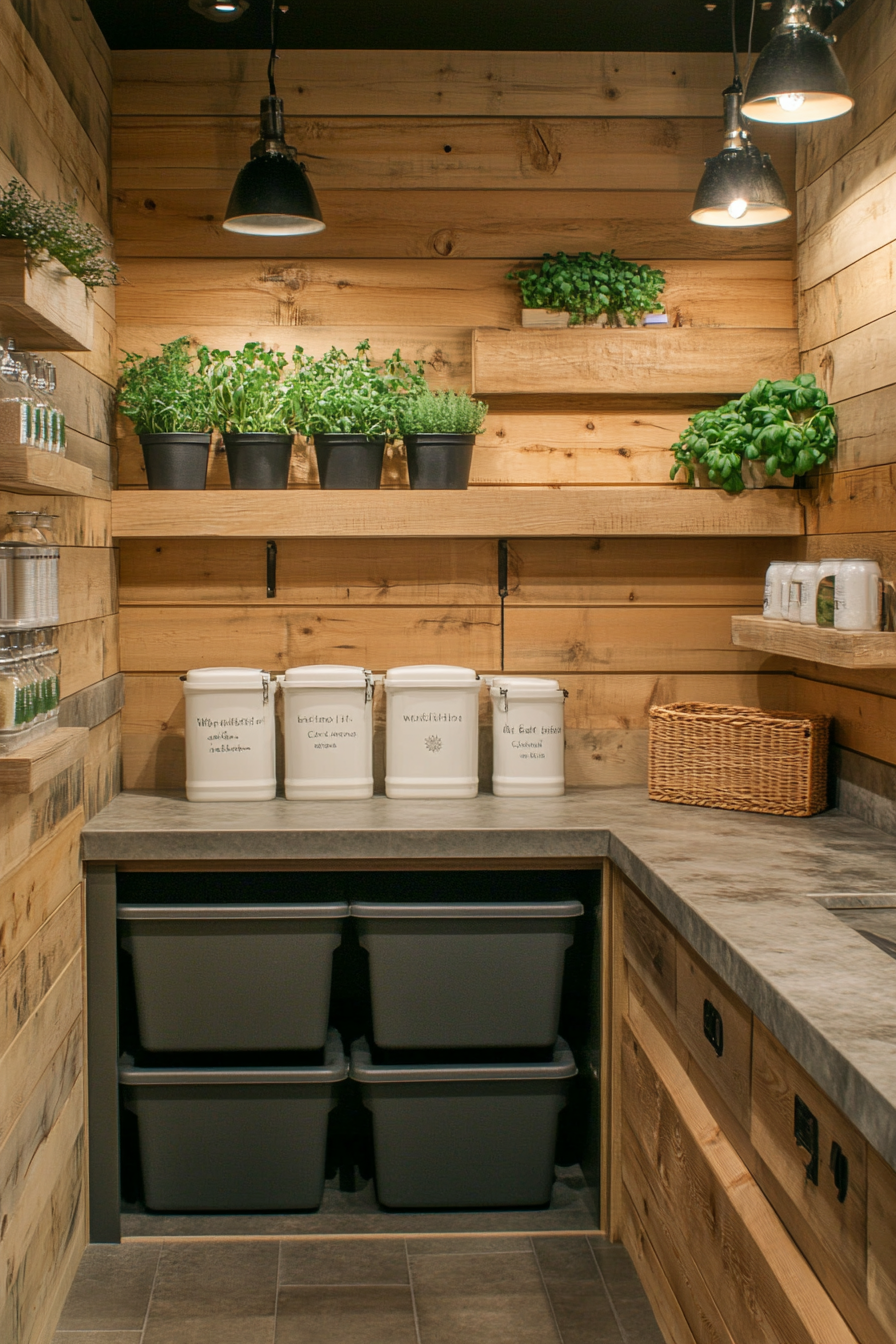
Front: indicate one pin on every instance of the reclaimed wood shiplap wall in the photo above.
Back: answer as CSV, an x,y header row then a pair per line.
x,y
437,173
55,95
847,277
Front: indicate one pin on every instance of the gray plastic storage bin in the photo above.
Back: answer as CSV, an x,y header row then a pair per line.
x,y
232,977
462,1135
233,1138
466,976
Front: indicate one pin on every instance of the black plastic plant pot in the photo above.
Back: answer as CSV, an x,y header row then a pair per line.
x,y
175,461
349,461
439,461
258,461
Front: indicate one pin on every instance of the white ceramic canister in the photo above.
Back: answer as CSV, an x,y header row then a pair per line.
x,y
771,598
328,731
230,735
858,591
527,736
432,732
804,576
824,591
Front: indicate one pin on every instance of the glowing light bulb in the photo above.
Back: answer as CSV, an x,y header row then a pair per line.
x,y
737,209
790,102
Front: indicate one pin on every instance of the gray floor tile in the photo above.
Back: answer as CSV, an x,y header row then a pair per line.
x,y
97,1337
626,1293
565,1258
489,1299
372,1314
220,1287
584,1315
344,1261
468,1245
231,1328
111,1288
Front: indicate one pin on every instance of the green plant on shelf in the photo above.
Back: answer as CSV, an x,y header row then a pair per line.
x,y
588,286
788,425
247,389
428,412
55,229
340,393
166,393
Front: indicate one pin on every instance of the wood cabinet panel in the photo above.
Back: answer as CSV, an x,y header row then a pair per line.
x,y
780,1089
882,1241
727,1062
650,947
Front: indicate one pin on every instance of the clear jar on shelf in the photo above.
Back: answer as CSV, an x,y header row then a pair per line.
x,y
16,403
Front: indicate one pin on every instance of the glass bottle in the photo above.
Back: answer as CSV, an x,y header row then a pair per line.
x,y
57,414
15,396
10,720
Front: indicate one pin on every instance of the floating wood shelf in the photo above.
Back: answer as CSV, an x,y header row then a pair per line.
x,y
596,511
42,307
840,648
40,760
611,360
31,471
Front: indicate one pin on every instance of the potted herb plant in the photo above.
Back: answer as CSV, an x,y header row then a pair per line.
x,y
348,405
169,403
772,433
439,431
250,401
588,288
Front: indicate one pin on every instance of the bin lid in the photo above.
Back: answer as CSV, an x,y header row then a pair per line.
x,y
364,1070
227,678
319,675
184,913
430,676
333,1070
467,910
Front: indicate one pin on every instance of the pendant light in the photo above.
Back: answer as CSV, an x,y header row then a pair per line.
x,y
797,77
739,188
272,195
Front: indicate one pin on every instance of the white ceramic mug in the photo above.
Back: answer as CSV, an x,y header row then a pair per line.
x,y
858,589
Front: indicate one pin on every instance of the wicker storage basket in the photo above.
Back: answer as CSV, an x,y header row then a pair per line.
x,y
745,760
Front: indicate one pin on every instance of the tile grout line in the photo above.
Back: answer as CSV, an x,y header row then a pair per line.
x,y
608,1295
544,1288
407,1260
155,1279
277,1291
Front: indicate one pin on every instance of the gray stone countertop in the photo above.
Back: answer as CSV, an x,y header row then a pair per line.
x,y
739,888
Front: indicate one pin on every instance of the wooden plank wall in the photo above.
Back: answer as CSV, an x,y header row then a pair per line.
x,y
438,172
55,94
847,267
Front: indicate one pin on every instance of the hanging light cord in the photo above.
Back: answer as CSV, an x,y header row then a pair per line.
x,y
750,37
734,44
273,57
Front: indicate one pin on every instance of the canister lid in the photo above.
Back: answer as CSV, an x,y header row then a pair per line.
x,y
326,674
227,678
426,675
522,684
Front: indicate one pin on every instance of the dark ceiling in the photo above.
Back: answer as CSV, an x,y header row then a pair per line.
x,y
477,25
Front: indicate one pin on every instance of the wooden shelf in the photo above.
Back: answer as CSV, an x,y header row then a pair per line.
x,y
38,761
31,471
840,648
596,511
43,307
678,360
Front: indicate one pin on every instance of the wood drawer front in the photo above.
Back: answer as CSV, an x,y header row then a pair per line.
x,y
702,999
777,1081
649,945
882,1241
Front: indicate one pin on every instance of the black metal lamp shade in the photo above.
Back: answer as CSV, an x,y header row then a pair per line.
x,y
797,77
740,189
272,194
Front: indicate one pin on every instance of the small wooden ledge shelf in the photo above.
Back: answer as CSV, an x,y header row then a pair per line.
x,y
43,306
31,471
815,644
614,361
42,759
502,511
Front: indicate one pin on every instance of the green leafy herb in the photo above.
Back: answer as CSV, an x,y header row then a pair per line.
x,y
56,229
164,394
339,393
427,412
586,286
787,425
247,389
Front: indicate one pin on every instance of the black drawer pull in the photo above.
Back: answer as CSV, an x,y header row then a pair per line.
x,y
840,1168
805,1131
713,1029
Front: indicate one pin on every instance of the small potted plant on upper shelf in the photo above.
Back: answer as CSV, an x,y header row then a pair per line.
x,y
169,403
251,405
599,290
439,431
772,433
348,405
